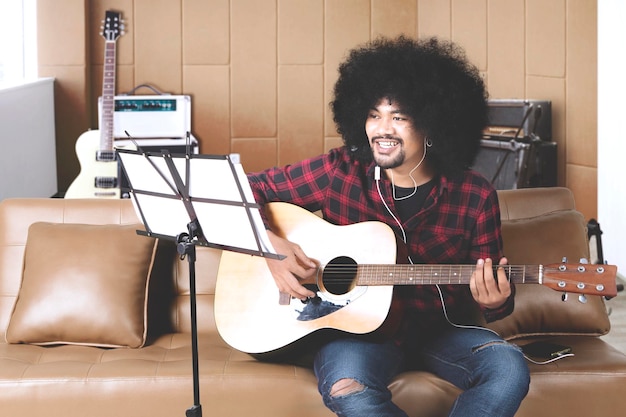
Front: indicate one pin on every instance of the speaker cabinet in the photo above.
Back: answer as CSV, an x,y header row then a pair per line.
x,y
514,164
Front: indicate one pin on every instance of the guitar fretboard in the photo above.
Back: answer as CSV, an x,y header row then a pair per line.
x,y
108,97
433,274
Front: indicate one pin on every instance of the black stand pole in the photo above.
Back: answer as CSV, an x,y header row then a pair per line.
x,y
186,247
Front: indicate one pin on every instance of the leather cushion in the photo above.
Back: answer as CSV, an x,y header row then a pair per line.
x,y
539,310
83,284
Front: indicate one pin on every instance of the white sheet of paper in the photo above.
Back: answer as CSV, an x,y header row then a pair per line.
x,y
224,217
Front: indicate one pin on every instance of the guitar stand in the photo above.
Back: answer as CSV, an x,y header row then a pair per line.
x,y
593,230
186,247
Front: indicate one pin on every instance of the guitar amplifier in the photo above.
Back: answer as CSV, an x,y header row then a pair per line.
x,y
519,118
514,164
516,150
150,116
154,122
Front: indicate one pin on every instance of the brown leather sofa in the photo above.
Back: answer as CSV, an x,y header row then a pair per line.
x,y
94,372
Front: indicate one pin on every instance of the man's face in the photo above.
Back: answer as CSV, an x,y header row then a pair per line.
x,y
392,136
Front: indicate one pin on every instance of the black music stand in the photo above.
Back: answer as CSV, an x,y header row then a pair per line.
x,y
195,200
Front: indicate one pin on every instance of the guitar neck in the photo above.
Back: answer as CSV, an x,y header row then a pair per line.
x,y
108,97
438,274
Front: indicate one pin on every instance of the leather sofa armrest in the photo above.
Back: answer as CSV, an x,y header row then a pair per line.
x,y
542,226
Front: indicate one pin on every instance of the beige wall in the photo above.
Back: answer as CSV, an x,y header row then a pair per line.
x,y
260,71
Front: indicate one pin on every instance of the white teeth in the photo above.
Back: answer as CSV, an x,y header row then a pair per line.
x,y
384,144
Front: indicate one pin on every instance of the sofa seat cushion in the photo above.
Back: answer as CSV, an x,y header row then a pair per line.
x,y
72,380
592,383
83,284
596,366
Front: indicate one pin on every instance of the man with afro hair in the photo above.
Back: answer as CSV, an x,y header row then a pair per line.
x,y
411,115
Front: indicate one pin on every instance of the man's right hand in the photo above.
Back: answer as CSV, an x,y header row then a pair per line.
x,y
286,271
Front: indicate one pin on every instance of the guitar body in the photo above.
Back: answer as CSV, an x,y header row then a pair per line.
x,y
247,310
97,179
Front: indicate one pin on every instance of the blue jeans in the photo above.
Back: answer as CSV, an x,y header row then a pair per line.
x,y
492,373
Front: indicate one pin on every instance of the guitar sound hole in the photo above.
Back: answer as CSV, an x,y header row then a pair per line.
x,y
339,275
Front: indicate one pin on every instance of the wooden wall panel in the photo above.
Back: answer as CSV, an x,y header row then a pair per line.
x,y
300,32
62,35
581,119
581,86
300,116
506,54
545,37
158,50
583,181
210,106
394,17
253,68
71,115
434,18
62,53
256,153
206,32
347,24
469,28
261,72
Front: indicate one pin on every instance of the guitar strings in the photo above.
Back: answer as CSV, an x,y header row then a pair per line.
x,y
457,273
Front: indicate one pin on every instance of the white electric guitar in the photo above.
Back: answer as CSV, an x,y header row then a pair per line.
x,y
99,169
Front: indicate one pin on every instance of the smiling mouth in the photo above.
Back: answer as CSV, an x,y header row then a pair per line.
x,y
386,143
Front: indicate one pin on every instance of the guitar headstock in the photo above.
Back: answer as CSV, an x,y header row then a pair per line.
x,y
112,25
587,279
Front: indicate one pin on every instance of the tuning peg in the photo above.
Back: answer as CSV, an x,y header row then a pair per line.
x,y
564,259
564,297
582,298
584,261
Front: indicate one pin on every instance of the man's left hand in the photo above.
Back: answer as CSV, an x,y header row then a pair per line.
x,y
486,290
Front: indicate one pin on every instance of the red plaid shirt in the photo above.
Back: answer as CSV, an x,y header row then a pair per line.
x,y
458,224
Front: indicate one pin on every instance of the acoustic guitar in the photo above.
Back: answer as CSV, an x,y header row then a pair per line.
x,y
99,169
354,282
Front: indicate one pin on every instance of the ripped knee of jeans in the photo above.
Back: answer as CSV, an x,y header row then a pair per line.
x,y
346,386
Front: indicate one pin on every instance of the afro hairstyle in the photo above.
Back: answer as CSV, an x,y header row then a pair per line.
x,y
434,84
